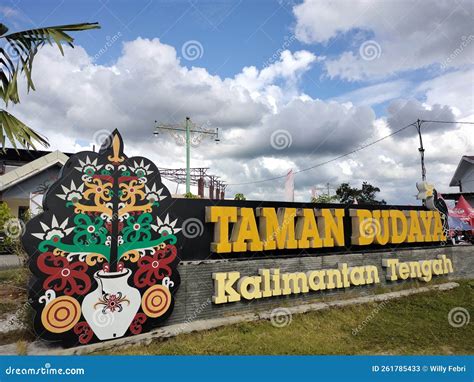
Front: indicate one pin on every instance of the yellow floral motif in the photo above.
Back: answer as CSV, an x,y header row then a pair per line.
x,y
101,193
131,256
94,258
59,252
131,190
130,193
99,189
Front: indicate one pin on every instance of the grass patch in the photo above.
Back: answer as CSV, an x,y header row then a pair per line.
x,y
15,276
416,324
8,306
15,336
13,298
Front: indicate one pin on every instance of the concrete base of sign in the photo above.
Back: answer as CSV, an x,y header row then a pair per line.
x,y
40,348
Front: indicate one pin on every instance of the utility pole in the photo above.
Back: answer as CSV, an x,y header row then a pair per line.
x,y
188,157
193,135
421,150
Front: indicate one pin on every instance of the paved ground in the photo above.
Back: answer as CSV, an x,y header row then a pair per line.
x,y
10,322
9,261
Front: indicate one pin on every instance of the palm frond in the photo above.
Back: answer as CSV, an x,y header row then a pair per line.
x,y
16,131
20,51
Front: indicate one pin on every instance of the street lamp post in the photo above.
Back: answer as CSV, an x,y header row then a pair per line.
x,y
193,135
188,157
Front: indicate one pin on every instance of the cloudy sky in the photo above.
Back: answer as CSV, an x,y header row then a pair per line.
x,y
289,84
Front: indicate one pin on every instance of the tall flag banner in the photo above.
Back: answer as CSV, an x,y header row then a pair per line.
x,y
290,186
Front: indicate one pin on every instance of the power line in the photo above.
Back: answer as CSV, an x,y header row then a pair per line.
x,y
343,155
454,122
328,161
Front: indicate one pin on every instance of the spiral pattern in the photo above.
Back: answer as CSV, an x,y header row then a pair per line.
x,y
459,317
192,50
156,300
281,317
101,137
192,228
281,139
369,227
370,50
102,320
61,314
14,228
12,52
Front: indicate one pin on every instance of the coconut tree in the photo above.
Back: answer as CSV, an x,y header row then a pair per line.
x,y
17,52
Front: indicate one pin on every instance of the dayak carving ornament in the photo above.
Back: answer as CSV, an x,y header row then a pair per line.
x,y
103,253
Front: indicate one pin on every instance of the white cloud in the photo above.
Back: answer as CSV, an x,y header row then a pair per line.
x,y
308,127
375,94
455,88
409,34
76,98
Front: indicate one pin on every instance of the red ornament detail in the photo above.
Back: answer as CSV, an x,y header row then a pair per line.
x,y
71,278
149,272
84,332
138,321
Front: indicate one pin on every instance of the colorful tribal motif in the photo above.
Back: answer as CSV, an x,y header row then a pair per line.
x,y
104,251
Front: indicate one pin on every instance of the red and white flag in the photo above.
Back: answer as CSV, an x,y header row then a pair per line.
x,y
290,186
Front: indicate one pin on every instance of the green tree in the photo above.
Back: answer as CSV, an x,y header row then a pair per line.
x,y
5,216
364,195
17,52
324,198
239,196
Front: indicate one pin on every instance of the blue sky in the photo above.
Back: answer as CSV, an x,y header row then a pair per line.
x,y
234,34
332,77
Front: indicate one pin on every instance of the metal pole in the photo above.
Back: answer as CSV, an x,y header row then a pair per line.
x,y
188,158
422,151
188,130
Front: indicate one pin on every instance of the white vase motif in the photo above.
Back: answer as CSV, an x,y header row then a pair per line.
x,y
109,310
